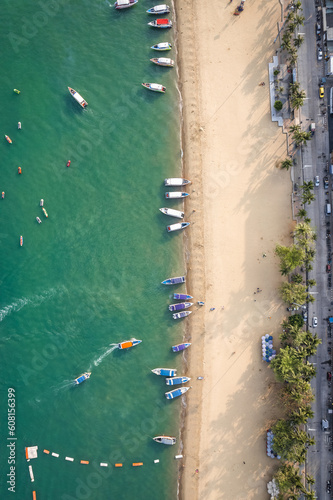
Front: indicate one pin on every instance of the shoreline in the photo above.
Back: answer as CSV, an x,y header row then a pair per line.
x,y
230,149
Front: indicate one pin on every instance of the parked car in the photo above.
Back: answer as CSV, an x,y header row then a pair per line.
x,y
328,268
316,181
326,182
319,54
318,28
314,322
329,376
321,92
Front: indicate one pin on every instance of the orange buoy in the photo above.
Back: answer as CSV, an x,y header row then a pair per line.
x,y
19,170
118,465
137,464
84,462
26,453
34,495
46,451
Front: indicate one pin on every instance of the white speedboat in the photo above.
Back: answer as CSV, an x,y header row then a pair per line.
x,y
155,87
176,181
159,9
162,46
173,213
181,314
78,97
177,227
165,440
38,220
163,61
176,392
176,194
165,372
124,4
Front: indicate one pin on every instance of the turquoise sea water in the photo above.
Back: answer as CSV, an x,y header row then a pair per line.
x,y
90,274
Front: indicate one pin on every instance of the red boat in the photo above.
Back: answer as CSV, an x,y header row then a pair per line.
x,y
68,163
8,139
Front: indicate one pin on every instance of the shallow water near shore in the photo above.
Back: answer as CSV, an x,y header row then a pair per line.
x,y
89,275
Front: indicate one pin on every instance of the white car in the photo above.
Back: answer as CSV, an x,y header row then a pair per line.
x,y
319,54
316,181
314,321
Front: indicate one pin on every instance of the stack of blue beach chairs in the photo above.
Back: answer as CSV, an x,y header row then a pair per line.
x,y
268,353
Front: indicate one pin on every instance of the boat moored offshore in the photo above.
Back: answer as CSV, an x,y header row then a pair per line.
x,y
176,181
172,195
165,440
159,9
177,227
180,347
165,372
82,378
175,393
174,281
161,23
180,306
181,314
172,213
163,61
124,4
8,139
155,87
177,380
126,344
78,97
162,46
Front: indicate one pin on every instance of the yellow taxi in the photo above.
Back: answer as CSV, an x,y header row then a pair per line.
x,y
321,92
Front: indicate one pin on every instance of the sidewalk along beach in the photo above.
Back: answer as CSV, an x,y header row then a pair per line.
x,y
242,209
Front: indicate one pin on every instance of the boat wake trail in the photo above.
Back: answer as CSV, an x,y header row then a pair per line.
x,y
63,385
33,301
111,348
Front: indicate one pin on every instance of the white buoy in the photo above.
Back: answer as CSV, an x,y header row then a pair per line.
x,y
178,457
102,464
31,473
156,461
55,454
70,459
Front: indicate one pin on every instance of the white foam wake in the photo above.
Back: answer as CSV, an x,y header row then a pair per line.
x,y
111,348
33,301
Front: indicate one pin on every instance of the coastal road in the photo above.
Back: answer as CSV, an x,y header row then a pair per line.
x,y
314,157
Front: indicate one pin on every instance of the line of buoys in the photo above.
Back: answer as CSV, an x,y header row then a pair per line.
x,y
137,464
118,465
70,459
84,461
55,454
31,473
104,465
46,451
33,495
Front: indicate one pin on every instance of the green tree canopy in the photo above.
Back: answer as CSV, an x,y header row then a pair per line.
x,y
286,164
290,258
293,293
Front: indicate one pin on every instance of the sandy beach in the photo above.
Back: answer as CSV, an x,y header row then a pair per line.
x,y
242,205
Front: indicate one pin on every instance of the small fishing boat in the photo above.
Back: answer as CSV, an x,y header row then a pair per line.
x,y
41,203
159,9
82,378
182,314
8,139
68,163
21,241
177,380
161,23
38,220
19,125
19,170
165,372
2,195
165,440
17,91
177,227
174,281
126,344
175,393
173,213
78,97
162,46
176,194
180,306
124,4
163,61
180,347
45,212
200,303
155,87
176,181
182,296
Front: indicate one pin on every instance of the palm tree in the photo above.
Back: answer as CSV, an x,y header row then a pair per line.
x,y
296,278
290,258
298,41
299,20
297,6
293,293
289,479
312,282
310,495
301,415
302,213
308,197
308,186
286,164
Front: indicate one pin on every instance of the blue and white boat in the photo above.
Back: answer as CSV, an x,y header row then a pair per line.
x,y
159,9
173,195
165,372
177,227
177,380
82,378
162,46
126,344
182,296
174,281
175,393
180,347
124,4
182,314
180,306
